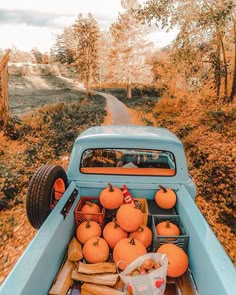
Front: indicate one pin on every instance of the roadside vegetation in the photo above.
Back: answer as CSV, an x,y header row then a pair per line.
x,y
45,135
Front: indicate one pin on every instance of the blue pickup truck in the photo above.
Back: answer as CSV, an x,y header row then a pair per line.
x,y
142,158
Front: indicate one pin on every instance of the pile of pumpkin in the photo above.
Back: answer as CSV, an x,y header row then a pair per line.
x,y
125,236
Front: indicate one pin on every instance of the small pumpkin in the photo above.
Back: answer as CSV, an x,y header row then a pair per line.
x,y
165,198
167,228
127,250
143,234
87,230
177,259
90,207
111,197
129,217
96,250
113,233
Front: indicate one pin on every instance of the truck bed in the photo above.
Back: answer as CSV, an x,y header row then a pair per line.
x,y
184,284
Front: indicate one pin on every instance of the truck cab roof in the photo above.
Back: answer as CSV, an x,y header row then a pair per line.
x,y
128,132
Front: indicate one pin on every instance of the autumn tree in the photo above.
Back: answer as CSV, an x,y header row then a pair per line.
x,y
4,96
37,55
129,49
18,55
104,45
62,49
233,88
86,35
205,25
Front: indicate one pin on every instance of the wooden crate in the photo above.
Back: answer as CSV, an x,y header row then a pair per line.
x,y
142,203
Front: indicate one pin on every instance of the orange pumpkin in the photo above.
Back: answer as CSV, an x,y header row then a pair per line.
x,y
90,207
113,233
165,198
87,230
127,250
143,234
111,197
167,228
129,217
96,250
177,259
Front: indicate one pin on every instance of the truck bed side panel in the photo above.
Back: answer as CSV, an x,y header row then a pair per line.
x,y
40,262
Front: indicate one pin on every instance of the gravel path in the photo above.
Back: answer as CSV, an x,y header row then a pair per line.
x,y
118,111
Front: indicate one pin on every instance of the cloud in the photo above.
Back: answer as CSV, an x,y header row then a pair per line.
x,y
49,19
29,17
30,28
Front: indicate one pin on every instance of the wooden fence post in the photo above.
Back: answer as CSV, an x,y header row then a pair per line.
x,y
4,98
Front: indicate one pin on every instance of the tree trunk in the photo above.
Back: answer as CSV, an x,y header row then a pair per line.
x,y
129,89
88,75
4,98
233,89
225,66
218,69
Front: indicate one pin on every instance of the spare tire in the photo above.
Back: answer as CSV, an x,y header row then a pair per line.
x,y
46,187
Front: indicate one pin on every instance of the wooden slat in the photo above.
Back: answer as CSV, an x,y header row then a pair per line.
x,y
184,284
171,289
103,279
93,289
181,285
75,250
97,268
64,280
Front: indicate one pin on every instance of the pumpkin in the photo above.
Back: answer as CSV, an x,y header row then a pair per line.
x,y
143,234
129,217
167,228
87,230
96,250
90,207
177,259
165,198
126,251
113,233
111,197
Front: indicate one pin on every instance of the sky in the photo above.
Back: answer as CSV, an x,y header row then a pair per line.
x,y
26,24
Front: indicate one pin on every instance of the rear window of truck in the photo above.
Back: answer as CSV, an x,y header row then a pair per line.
x,y
128,162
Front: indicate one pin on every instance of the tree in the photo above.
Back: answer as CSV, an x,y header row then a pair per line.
x,y
86,34
62,49
4,97
129,48
233,88
37,55
104,45
200,23
21,56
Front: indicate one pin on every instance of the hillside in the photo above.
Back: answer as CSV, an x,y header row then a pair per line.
x,y
46,134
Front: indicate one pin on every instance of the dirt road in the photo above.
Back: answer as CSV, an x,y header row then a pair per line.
x,y
119,114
